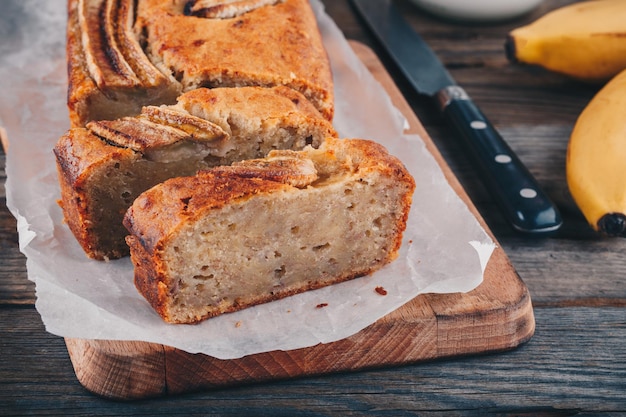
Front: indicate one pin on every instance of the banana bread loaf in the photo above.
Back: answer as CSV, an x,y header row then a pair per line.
x,y
259,230
103,167
125,54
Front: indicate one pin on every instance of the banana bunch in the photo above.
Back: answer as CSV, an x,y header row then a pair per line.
x,y
596,159
586,40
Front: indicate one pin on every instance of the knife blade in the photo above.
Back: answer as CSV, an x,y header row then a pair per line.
x,y
522,201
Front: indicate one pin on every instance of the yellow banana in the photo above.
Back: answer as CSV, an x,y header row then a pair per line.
x,y
585,40
596,159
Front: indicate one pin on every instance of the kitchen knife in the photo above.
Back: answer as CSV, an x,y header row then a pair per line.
x,y
513,187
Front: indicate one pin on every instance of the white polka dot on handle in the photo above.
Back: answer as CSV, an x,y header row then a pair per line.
x,y
478,124
528,193
503,159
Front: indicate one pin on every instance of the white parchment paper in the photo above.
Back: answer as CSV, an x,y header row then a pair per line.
x,y
444,250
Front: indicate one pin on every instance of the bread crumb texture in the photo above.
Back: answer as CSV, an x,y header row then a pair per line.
x,y
224,240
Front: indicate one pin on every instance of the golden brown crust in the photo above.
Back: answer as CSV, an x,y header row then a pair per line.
x,y
145,270
277,44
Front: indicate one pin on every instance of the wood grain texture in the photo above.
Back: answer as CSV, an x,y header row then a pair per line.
x,y
561,371
15,289
496,316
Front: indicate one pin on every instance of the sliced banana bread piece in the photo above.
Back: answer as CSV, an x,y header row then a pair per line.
x,y
260,230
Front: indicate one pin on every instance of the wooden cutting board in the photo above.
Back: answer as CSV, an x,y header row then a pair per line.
x,y
496,316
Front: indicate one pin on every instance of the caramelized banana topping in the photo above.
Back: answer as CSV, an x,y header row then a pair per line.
x,y
136,133
196,127
113,54
284,166
224,9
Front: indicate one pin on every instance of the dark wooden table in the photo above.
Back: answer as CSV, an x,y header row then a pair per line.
x,y
574,365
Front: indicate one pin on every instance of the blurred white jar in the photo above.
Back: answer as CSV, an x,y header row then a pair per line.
x,y
478,10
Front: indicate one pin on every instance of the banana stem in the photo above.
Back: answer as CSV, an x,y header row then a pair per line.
x,y
613,224
510,50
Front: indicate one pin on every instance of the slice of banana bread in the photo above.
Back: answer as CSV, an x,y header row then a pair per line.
x,y
103,167
260,230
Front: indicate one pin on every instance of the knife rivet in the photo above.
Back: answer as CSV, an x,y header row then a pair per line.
x,y
528,193
478,124
503,159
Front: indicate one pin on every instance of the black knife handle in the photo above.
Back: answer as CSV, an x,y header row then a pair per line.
x,y
513,187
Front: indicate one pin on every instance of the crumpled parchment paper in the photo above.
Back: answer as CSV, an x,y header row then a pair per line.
x,y
444,250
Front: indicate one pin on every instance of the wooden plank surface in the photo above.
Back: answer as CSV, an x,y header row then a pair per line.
x,y
496,316
578,376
